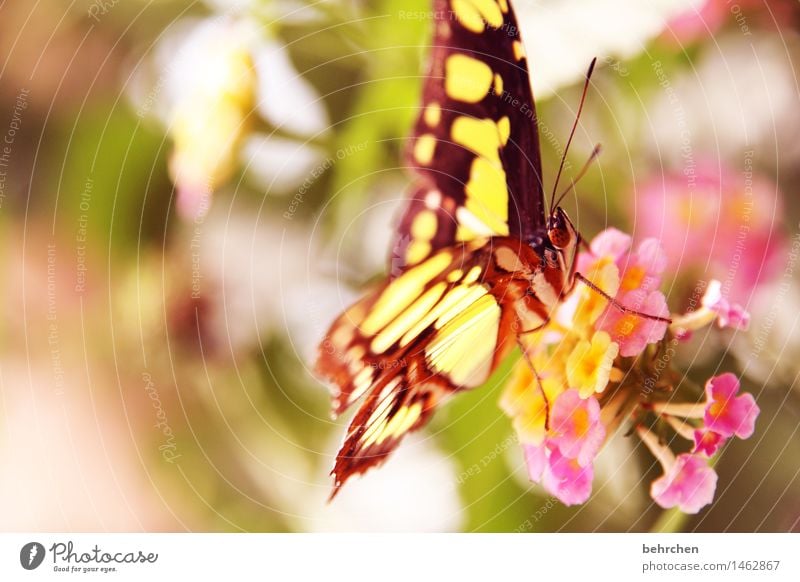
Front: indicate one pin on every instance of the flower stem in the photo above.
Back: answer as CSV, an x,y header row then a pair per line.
x,y
682,409
682,428
670,521
661,452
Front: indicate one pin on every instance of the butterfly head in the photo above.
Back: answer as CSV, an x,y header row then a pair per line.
x,y
560,231
563,240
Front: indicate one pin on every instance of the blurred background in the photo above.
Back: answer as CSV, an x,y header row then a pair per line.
x,y
191,191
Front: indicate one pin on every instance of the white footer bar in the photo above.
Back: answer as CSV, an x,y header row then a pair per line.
x,y
400,557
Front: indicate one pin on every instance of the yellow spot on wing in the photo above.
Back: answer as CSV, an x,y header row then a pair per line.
x,y
433,114
472,13
433,199
424,225
377,419
504,130
481,136
392,332
473,275
355,353
424,148
487,195
464,349
498,84
361,382
469,227
468,15
454,276
490,12
401,422
454,301
416,251
466,79
519,50
401,292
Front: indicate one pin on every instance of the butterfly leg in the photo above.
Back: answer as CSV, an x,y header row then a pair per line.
x,y
533,329
617,304
538,382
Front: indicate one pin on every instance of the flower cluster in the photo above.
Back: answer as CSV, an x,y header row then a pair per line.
x,y
688,482
596,365
216,84
745,212
231,100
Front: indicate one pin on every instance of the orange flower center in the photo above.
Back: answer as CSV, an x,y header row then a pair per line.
x,y
716,409
626,325
580,419
633,278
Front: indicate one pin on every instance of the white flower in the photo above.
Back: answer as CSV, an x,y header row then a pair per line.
x,y
740,95
285,98
414,491
213,77
278,165
770,350
562,37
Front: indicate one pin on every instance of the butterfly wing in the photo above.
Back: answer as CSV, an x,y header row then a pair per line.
x,y
432,331
475,146
434,328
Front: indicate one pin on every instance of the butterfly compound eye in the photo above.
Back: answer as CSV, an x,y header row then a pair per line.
x,y
560,238
559,231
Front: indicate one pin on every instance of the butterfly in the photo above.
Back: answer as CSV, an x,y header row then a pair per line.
x,y
477,262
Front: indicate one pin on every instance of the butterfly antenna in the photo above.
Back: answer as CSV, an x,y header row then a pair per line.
x,y
572,133
594,155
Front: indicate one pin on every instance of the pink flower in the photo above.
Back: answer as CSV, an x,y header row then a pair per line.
x,y
642,269
567,480
728,414
575,427
562,477
707,18
610,244
536,460
697,23
633,332
714,308
689,483
707,442
704,224
728,314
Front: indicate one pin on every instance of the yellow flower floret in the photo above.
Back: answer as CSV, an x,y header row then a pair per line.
x,y
524,401
590,363
605,275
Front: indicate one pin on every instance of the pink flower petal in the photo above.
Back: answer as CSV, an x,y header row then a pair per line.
x,y
679,217
536,460
585,262
575,427
728,314
735,316
651,255
643,269
726,413
633,332
689,484
707,442
568,481
722,387
611,242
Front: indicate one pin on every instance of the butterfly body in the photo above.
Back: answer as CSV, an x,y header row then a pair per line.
x,y
476,262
